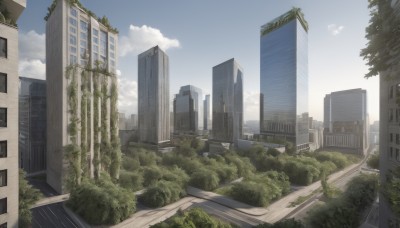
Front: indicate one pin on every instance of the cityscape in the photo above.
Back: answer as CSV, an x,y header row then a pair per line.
x,y
199,114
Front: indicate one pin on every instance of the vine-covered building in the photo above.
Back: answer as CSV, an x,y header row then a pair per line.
x,y
188,111
82,126
153,96
227,102
284,79
9,81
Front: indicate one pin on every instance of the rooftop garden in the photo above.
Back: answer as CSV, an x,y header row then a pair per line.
x,y
103,20
5,15
284,19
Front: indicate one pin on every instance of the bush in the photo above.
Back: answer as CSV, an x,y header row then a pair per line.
x,y
163,193
339,159
346,210
250,193
130,180
205,179
288,223
151,175
28,196
130,164
103,203
373,161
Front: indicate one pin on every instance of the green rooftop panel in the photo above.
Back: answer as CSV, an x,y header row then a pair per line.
x,y
284,19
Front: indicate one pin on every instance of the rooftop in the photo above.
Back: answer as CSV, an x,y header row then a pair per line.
x,y
284,19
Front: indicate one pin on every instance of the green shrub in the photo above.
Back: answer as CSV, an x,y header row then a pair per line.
x,y
131,180
205,179
130,164
288,223
151,175
163,193
373,161
103,203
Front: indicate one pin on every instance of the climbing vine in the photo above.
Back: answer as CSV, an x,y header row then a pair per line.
x,y
115,142
96,97
105,147
84,122
72,150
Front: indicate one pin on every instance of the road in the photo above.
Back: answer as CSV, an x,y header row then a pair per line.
x,y
341,183
52,215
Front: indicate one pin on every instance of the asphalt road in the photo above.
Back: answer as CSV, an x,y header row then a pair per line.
x,y
52,215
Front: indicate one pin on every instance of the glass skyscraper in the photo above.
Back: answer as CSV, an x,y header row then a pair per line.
x,y
227,102
188,110
284,79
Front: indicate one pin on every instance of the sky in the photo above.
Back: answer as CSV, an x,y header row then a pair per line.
x,y
198,35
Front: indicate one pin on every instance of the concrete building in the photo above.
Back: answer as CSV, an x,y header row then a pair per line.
x,y
346,121
374,133
32,125
207,113
153,99
132,122
9,112
284,79
188,111
81,56
389,131
227,105
122,121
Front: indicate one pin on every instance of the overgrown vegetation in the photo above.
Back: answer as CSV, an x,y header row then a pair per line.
x,y
193,218
346,210
373,161
28,196
288,223
383,34
101,202
391,190
5,15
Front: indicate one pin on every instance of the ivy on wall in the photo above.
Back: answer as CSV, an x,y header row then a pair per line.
x,y
115,142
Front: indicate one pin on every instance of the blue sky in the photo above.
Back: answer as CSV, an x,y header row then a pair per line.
x,y
198,35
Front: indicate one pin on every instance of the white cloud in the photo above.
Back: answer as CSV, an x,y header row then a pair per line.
x,y
140,39
335,29
33,68
251,105
32,55
128,95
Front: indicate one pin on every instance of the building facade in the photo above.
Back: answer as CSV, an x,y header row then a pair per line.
x,y
389,133
81,58
284,79
153,96
346,121
188,111
32,125
207,113
227,102
9,112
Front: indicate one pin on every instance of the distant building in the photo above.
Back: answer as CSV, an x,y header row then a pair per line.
x,y
32,125
122,121
227,124
284,79
9,112
132,122
153,99
316,132
207,113
346,121
374,133
188,111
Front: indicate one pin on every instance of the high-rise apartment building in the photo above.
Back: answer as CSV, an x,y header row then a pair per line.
x,y
81,58
284,79
346,121
32,125
153,96
188,111
227,103
9,81
207,113
389,131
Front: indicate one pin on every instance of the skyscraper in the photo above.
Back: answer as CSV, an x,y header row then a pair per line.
x,y
346,121
32,125
227,124
9,111
207,113
82,93
153,99
284,79
188,111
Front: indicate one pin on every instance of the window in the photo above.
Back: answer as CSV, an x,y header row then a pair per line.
x,y
3,117
72,59
3,205
3,47
72,29
3,149
95,32
72,21
84,25
74,12
391,115
73,50
3,178
391,152
391,137
3,83
397,139
72,39
398,89
397,155
391,92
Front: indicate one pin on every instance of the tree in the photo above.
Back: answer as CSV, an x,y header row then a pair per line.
x,y
28,196
288,223
373,161
204,179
